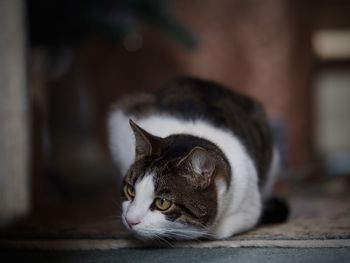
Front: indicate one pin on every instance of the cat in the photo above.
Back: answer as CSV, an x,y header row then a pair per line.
x,y
198,161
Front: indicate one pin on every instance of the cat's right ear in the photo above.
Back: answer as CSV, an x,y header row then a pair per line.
x,y
145,143
202,165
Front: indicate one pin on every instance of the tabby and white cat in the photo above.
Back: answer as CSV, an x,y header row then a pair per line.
x,y
198,163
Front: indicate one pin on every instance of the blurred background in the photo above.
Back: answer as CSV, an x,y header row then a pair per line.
x,y
64,63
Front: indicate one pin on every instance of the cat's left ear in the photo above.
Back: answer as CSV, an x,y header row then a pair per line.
x,y
145,143
202,166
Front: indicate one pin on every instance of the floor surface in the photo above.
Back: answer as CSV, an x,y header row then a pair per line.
x,y
317,231
218,255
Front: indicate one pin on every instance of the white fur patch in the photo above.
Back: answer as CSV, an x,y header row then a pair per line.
x,y
239,206
121,140
138,210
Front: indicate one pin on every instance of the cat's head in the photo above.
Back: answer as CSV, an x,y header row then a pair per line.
x,y
171,190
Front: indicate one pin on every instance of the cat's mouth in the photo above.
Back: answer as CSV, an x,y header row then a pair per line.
x,y
125,223
138,231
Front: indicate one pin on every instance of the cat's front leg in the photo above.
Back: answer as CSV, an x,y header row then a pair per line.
x,y
236,223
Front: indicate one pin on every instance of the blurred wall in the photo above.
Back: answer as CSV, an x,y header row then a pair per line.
x,y
261,48
258,47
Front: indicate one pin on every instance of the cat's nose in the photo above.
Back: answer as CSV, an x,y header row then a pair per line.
x,y
132,223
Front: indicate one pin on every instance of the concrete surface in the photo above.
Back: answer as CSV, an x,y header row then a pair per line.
x,y
218,255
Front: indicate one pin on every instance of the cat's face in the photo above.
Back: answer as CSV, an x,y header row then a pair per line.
x,y
159,204
170,190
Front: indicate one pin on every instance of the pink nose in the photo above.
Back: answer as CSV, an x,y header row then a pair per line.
x,y
132,223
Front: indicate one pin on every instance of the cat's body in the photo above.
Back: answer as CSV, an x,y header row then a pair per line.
x,y
203,150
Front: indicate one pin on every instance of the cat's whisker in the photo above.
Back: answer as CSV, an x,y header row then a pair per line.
x,y
117,204
115,217
186,233
165,241
151,231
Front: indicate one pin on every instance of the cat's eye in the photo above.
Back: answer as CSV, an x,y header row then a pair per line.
x,y
130,191
162,204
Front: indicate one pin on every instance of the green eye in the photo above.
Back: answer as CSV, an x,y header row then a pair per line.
x,y
162,204
130,191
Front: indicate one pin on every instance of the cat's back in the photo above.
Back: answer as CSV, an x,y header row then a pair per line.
x,y
191,99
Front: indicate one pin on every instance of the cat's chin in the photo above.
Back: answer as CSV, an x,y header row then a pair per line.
x,y
150,237
146,236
